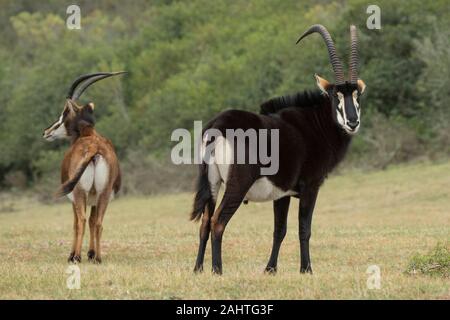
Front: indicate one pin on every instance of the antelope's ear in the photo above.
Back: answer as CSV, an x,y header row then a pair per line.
x,y
361,86
90,106
322,83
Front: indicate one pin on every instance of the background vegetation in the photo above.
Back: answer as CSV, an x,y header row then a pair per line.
x,y
189,60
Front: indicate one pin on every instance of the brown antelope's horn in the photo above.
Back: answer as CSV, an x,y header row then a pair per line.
x,y
353,63
83,82
334,59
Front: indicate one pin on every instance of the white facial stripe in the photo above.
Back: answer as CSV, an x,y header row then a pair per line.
x,y
60,132
355,101
341,117
57,123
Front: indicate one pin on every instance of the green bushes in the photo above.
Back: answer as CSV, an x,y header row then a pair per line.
x,y
190,60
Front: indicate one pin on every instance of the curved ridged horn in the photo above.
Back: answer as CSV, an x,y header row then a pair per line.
x,y
353,63
83,82
334,59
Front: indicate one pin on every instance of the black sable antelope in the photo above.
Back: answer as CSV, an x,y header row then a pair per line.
x,y
90,173
315,130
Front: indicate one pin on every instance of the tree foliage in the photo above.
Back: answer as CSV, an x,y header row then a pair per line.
x,y
189,60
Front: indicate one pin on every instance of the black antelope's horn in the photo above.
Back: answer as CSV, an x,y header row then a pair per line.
x,y
353,63
334,59
83,82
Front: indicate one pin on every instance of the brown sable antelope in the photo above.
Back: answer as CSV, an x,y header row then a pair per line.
x,y
315,129
90,173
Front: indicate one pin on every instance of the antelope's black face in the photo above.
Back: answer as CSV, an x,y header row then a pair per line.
x,y
64,126
345,103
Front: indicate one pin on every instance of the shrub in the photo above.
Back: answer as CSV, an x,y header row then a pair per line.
x,y
435,263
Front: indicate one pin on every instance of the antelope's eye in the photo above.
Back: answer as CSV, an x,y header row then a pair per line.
x,y
65,113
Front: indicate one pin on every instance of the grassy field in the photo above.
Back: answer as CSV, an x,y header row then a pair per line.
x,y
381,218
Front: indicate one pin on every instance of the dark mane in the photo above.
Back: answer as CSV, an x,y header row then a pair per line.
x,y
303,99
88,116
83,119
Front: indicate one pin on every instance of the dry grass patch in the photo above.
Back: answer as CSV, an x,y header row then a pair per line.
x,y
382,218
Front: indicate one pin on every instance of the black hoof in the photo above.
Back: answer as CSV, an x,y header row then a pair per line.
x,y
217,271
198,269
74,258
271,270
91,255
97,260
306,270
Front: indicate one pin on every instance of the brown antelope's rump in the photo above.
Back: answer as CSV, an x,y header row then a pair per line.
x,y
90,173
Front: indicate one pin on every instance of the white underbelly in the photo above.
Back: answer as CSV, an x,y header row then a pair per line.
x,y
264,190
94,180
261,190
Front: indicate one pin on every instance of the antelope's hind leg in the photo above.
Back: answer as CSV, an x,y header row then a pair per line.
x,y
205,229
92,223
101,209
79,208
280,210
74,241
234,195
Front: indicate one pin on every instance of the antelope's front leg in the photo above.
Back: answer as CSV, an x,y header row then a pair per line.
x,y
280,210
307,203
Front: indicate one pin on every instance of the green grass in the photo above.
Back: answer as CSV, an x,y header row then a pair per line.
x,y
381,218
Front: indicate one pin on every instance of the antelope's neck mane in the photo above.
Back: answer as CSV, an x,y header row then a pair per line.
x,y
305,99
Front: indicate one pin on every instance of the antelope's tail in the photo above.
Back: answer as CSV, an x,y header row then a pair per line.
x,y
68,186
203,196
